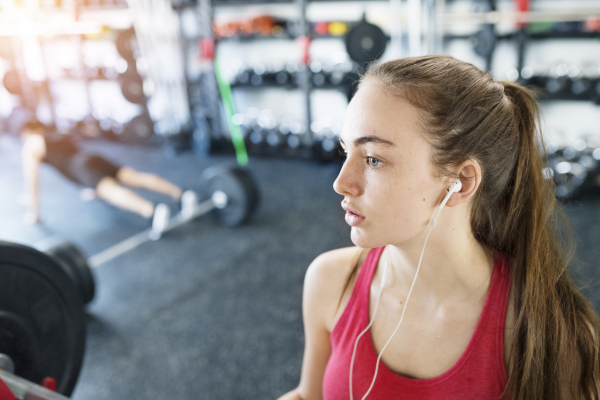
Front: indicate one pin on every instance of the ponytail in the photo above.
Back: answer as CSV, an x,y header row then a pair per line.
x,y
556,329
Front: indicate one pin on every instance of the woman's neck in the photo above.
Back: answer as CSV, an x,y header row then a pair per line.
x,y
455,264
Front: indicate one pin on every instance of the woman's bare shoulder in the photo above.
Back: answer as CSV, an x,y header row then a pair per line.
x,y
327,277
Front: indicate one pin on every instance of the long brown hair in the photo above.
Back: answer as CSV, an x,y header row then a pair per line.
x,y
466,114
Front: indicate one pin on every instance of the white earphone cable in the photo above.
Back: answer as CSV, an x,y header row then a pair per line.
x,y
433,223
383,279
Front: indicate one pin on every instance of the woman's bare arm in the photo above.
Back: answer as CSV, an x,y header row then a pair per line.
x,y
32,154
323,287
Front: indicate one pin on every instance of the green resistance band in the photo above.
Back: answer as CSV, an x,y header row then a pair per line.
x,y
236,133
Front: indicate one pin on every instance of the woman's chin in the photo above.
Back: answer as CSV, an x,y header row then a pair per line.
x,y
359,238
364,240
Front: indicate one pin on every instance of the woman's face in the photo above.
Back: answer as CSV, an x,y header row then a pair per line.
x,y
387,179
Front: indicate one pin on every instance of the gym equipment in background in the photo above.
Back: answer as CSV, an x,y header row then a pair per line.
x,y
42,293
229,191
42,319
365,42
22,389
575,169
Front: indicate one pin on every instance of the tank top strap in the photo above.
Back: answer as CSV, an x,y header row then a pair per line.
x,y
367,271
350,322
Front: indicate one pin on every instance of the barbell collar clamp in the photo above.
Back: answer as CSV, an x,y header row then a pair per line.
x,y
219,199
24,389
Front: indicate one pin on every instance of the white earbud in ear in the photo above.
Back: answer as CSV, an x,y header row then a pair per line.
x,y
455,187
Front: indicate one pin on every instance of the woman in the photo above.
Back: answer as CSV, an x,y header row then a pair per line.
x,y
90,171
491,314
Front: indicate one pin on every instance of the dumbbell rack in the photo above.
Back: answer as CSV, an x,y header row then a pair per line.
x,y
303,81
572,168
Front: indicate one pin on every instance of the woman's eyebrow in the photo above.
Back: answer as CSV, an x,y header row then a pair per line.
x,y
371,139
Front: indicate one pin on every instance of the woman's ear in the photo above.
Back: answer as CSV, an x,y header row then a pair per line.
x,y
469,173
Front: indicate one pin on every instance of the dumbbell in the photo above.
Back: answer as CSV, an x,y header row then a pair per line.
x,y
575,167
271,131
281,75
242,77
318,76
582,83
257,75
326,145
558,82
568,176
533,75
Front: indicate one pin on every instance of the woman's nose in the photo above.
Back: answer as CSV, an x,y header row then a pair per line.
x,y
347,183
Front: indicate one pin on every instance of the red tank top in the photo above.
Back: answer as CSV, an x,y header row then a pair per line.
x,y
479,373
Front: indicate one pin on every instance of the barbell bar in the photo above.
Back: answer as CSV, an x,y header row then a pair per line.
x,y
233,194
152,234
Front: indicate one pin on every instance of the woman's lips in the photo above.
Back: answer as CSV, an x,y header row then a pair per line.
x,y
353,219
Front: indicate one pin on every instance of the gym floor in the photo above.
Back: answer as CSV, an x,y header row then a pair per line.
x,y
208,312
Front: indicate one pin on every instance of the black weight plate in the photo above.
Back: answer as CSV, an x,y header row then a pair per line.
x,y
12,82
241,191
140,129
484,41
76,266
132,87
42,320
126,44
365,42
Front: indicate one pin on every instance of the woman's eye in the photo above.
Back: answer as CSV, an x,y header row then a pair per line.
x,y
373,162
342,152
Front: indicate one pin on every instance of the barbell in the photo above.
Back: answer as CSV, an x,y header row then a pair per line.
x,y
229,191
43,290
42,318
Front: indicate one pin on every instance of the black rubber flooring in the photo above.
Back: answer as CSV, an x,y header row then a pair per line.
x,y
208,312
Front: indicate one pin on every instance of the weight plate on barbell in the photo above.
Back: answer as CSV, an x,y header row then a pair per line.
x,y
140,129
240,188
365,42
75,265
132,87
42,320
126,44
484,41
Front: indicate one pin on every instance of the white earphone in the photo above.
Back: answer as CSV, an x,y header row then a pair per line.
x,y
454,187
